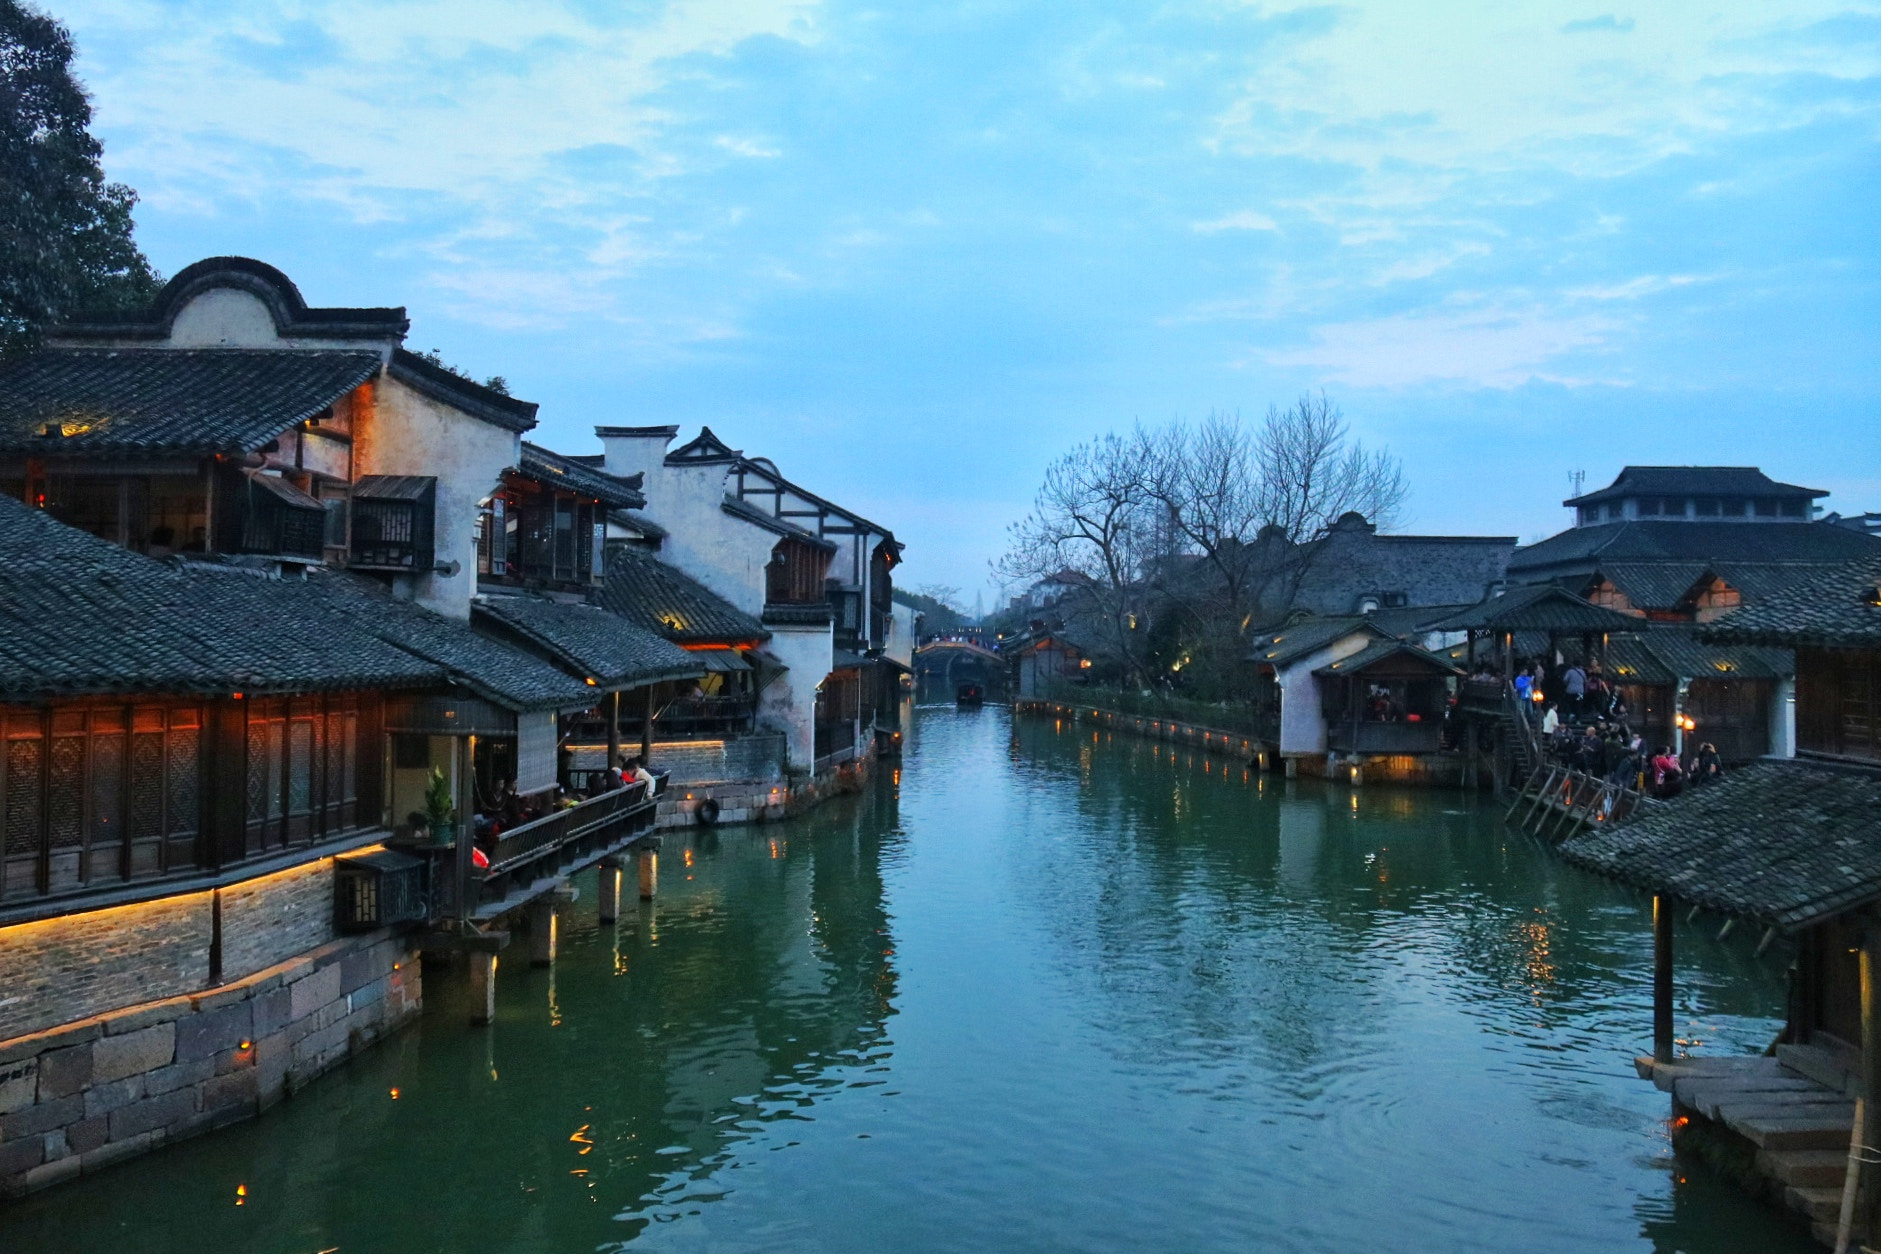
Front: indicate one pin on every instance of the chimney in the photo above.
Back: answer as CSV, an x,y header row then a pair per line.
x,y
637,451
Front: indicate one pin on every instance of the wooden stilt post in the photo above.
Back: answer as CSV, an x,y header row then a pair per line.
x,y
483,989
1870,1080
608,891
1662,1040
544,925
646,733
613,730
648,861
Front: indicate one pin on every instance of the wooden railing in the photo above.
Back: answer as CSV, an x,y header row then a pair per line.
x,y
1558,801
572,836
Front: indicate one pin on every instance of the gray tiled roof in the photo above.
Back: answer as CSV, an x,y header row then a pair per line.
x,y
466,395
1664,653
169,400
1351,563
1831,607
499,672
1653,585
1539,607
1709,543
79,615
643,589
589,640
575,475
1278,646
1379,650
1692,481
1786,843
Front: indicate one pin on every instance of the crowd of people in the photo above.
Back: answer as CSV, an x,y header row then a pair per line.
x,y
1586,724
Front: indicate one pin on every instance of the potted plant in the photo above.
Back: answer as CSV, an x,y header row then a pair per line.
x,y
439,810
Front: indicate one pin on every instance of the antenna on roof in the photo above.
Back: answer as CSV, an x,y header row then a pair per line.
x,y
1577,478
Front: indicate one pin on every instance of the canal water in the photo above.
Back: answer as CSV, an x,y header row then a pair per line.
x,y
1039,990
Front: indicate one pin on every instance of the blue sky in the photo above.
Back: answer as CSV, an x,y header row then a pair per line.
x,y
912,252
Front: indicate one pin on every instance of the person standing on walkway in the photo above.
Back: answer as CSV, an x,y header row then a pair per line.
x,y
1574,683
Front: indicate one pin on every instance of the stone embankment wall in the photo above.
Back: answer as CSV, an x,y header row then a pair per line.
x,y
113,1042
760,801
1207,739
1396,768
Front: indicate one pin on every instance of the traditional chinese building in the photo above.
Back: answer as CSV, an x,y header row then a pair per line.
x,y
1790,847
817,577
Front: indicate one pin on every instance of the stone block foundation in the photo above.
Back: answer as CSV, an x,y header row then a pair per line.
x,y
79,1097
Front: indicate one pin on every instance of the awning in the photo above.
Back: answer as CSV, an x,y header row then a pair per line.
x,y
770,668
721,661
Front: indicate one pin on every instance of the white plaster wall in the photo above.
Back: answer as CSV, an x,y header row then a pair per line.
x,y
1783,718
411,434
231,317
899,646
789,704
626,456
1302,721
224,317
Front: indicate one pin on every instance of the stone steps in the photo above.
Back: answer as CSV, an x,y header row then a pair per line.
x,y
1819,1169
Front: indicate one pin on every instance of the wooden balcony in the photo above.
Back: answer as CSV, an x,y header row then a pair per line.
x,y
534,858
1421,737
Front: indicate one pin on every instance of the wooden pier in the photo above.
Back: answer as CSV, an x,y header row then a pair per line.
x,y
1789,1111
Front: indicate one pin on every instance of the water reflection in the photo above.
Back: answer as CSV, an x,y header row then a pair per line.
x,y
617,1091
1032,992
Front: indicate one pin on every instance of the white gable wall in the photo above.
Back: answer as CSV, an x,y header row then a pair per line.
x,y
1302,717
412,434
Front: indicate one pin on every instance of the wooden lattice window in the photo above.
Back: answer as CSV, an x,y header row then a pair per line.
x,y
92,795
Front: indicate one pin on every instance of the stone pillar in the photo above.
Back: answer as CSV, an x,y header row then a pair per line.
x,y
483,989
608,891
544,922
648,860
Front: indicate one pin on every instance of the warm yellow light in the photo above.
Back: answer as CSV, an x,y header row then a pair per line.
x,y
394,1094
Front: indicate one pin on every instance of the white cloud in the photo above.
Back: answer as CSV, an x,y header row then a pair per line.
x,y
740,147
483,101
1450,86
1488,347
1634,289
1240,220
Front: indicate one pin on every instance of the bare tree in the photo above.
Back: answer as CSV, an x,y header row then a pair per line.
x,y
1090,520
944,593
1312,473
1216,524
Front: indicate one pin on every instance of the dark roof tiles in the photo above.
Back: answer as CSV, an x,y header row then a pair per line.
x,y
1706,543
1541,607
1785,843
643,589
79,615
592,641
577,476
1831,607
168,400
498,672
1692,481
